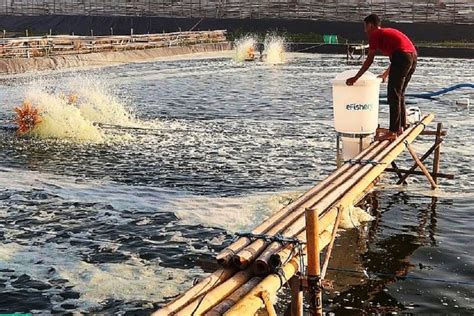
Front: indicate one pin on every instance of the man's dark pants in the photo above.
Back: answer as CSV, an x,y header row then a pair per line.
x,y
402,67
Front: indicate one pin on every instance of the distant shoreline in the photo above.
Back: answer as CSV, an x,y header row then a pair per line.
x,y
13,66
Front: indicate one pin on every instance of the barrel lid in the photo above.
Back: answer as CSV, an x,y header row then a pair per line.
x,y
367,78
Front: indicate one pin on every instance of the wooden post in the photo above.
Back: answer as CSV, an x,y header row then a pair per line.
x,y
437,153
421,165
314,268
296,296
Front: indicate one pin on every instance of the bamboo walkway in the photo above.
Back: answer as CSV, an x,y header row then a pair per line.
x,y
27,47
257,265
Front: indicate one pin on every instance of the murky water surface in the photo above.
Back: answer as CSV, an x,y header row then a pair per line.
x,y
124,224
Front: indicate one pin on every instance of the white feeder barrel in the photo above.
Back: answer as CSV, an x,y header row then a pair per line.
x,y
356,108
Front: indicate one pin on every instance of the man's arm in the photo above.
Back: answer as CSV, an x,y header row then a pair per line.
x,y
363,69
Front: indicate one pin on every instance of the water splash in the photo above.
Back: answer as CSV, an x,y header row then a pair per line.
x,y
275,50
73,111
60,119
245,47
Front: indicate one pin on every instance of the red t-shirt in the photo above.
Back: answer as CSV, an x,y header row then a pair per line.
x,y
389,40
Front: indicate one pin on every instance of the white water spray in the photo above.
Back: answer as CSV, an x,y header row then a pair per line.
x,y
244,47
275,50
72,113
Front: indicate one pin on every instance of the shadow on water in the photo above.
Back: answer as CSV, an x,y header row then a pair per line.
x,y
381,256
372,264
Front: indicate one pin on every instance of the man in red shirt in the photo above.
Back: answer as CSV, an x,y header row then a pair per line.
x,y
403,57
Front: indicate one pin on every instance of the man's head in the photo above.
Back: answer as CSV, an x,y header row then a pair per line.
x,y
371,23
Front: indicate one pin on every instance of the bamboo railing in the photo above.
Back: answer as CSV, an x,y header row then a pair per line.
x,y
69,44
443,11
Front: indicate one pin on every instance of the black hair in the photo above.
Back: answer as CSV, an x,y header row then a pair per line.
x,y
373,19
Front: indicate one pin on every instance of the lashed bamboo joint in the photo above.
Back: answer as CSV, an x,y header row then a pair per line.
x,y
275,250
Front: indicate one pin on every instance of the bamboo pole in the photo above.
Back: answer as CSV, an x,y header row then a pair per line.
x,y
369,173
331,244
421,166
261,265
224,257
397,171
294,222
416,172
296,296
314,268
423,158
230,301
268,304
434,133
205,302
437,153
262,262
202,287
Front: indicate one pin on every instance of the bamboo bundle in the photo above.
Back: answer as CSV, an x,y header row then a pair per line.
x,y
206,301
230,301
251,302
224,257
277,258
294,222
215,279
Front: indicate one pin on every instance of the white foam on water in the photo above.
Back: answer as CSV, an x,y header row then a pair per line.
x,y
242,213
128,281
354,217
229,213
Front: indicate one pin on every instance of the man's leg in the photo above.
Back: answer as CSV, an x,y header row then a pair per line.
x,y
399,69
407,80
394,93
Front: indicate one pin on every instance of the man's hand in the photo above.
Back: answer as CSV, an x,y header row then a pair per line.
x,y
383,76
351,81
